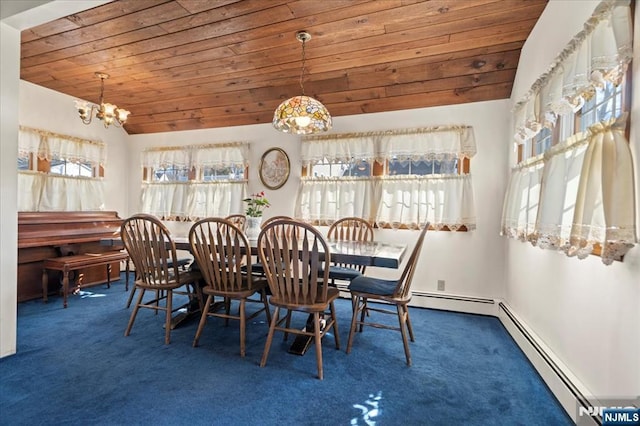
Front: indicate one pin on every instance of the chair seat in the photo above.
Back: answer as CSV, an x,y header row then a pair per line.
x,y
341,273
240,293
365,284
332,294
187,277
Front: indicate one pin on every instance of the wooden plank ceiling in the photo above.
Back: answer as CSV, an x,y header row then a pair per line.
x,y
197,64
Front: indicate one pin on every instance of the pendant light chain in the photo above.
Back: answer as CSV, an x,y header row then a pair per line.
x,y
304,59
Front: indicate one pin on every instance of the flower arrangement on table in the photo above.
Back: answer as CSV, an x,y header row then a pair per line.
x,y
256,204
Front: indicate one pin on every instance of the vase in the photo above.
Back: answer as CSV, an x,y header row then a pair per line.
x,y
253,227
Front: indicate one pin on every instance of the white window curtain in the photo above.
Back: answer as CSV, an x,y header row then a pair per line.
x,y
442,200
52,192
336,148
600,52
520,208
194,199
326,200
587,195
435,143
445,200
221,199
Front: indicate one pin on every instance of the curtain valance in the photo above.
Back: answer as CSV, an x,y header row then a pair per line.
x,y
52,146
439,143
215,155
599,53
338,149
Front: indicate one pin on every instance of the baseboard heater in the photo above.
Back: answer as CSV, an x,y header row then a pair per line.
x,y
550,362
453,297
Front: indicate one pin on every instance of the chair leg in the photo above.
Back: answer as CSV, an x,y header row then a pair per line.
x,y
355,302
131,294
272,328
203,320
267,311
132,318
318,338
336,335
363,314
167,326
243,325
402,319
409,326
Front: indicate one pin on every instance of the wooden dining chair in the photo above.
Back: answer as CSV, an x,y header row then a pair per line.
x,y
239,220
220,249
348,229
292,254
365,289
153,253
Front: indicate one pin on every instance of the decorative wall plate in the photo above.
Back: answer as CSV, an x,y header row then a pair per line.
x,y
274,168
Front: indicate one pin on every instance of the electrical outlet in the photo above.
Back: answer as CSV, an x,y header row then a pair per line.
x,y
440,285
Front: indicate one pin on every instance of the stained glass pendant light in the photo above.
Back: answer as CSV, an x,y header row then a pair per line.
x,y
302,115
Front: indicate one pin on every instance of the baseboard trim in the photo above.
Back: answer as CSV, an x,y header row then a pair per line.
x,y
565,388
454,302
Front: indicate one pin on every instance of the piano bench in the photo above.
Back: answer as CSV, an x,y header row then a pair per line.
x,y
65,264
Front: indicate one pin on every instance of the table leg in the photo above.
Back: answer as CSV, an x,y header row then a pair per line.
x,y
45,285
301,343
108,275
65,286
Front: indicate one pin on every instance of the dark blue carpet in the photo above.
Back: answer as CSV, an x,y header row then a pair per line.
x,y
75,367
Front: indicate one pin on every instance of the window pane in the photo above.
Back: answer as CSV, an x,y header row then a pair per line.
x,y
23,163
542,141
222,173
339,169
171,174
423,167
360,168
71,168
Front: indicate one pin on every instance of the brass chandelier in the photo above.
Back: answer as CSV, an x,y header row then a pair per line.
x,y
108,113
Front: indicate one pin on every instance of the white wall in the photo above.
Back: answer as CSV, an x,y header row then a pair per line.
x,y
9,74
471,263
587,313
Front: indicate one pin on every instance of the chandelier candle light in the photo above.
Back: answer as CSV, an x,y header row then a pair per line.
x,y
108,113
302,115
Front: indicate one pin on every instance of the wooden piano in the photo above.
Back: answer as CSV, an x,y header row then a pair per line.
x,y
45,235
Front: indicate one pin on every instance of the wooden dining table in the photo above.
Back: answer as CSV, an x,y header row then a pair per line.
x,y
380,254
369,253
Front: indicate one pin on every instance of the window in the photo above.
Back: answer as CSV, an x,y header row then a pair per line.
x,y
422,167
59,172
191,182
572,190
608,103
66,167
395,179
